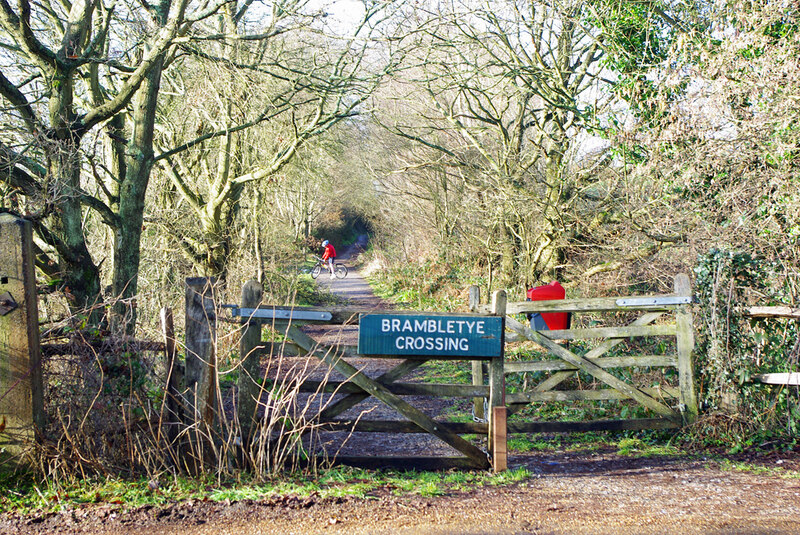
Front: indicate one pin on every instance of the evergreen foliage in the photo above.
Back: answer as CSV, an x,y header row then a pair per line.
x,y
733,347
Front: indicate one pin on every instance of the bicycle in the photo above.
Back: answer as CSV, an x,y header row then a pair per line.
x,y
340,270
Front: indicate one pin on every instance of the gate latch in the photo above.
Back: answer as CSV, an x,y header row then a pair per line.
x,y
7,303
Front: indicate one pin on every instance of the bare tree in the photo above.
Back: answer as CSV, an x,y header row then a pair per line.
x,y
510,87
295,88
68,70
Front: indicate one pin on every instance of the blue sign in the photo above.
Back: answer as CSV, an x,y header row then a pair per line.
x,y
453,336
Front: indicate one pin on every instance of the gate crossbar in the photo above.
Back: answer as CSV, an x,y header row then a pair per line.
x,y
677,304
559,377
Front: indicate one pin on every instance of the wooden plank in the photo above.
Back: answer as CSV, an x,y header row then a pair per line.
x,y
597,304
407,463
790,378
352,351
773,312
499,440
685,346
477,366
611,332
592,369
639,361
252,314
340,315
587,395
379,391
596,425
497,376
400,389
356,397
513,337
399,426
391,426
100,344
286,349
338,407
595,353
248,388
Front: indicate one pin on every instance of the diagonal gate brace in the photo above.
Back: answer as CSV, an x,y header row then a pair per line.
x,y
376,389
559,377
594,370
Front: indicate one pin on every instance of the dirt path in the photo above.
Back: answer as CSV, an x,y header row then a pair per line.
x,y
578,493
355,289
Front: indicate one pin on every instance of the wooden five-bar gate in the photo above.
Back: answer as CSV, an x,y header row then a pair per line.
x,y
663,316
388,387
660,316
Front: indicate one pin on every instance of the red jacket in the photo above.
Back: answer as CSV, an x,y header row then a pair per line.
x,y
329,252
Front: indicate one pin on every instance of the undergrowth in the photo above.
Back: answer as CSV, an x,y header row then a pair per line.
x,y
26,494
426,286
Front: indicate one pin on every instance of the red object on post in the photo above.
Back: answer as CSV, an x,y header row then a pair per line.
x,y
552,320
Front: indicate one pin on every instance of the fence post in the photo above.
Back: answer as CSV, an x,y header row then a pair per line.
x,y
201,359
685,347
497,392
174,376
249,390
21,406
477,365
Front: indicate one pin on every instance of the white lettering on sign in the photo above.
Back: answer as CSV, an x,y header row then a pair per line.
x,y
430,344
432,326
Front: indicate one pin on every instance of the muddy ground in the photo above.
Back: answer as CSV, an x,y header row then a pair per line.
x,y
580,493
589,492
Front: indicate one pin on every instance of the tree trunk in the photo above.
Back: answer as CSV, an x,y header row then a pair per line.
x,y
549,252
81,275
132,192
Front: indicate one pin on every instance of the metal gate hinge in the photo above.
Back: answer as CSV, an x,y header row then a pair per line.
x,y
7,303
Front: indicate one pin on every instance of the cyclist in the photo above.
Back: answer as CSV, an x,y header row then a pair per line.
x,y
328,255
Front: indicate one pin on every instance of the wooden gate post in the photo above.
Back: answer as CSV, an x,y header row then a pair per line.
x,y
21,408
685,346
250,371
497,393
477,365
201,358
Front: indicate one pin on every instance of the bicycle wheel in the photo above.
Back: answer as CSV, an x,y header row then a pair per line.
x,y
340,270
316,271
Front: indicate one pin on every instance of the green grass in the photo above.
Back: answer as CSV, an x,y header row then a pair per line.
x,y
528,443
447,371
428,286
636,447
740,466
26,495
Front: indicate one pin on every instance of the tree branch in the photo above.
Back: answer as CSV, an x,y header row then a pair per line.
x,y
18,100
